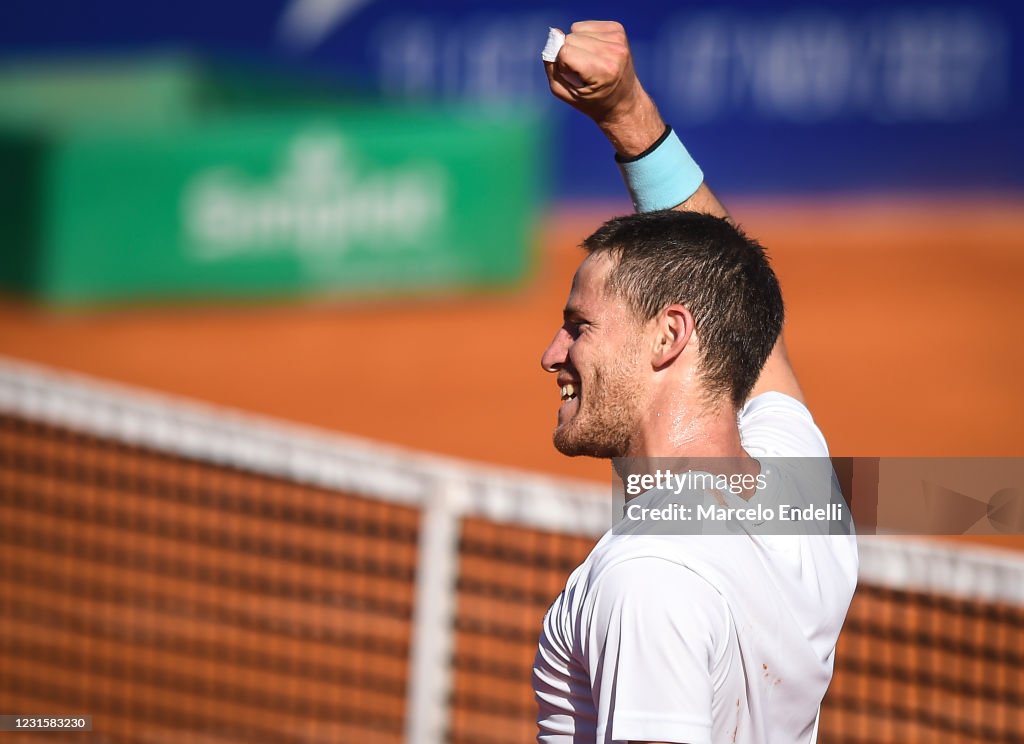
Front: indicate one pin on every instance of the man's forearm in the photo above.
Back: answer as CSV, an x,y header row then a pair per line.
x,y
634,131
635,126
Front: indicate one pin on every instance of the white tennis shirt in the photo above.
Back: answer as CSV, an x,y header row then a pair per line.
x,y
700,638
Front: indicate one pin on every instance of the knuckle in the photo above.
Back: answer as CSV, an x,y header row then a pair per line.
x,y
618,50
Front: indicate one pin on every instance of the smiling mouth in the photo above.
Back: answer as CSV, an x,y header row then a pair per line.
x,y
568,392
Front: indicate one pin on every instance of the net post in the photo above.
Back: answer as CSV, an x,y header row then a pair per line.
x,y
433,628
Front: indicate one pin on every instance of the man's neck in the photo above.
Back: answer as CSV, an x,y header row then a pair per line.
x,y
706,440
696,430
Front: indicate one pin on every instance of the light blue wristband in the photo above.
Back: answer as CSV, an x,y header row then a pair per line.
x,y
661,177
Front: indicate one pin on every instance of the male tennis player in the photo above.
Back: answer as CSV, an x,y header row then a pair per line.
x,y
670,347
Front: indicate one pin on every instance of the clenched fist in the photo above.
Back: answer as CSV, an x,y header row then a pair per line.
x,y
594,73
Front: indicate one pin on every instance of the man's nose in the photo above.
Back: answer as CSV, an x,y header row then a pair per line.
x,y
555,354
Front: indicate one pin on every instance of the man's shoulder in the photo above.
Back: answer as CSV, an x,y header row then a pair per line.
x,y
775,424
638,568
615,560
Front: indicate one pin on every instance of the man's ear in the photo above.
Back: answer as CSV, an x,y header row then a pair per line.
x,y
673,328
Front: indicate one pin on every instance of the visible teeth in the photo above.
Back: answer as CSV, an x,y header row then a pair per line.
x,y
568,391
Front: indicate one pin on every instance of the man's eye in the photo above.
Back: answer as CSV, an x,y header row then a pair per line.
x,y
576,327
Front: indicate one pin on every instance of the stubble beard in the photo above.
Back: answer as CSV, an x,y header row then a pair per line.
x,y
606,420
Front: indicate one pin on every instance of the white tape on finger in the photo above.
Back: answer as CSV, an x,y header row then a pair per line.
x,y
555,41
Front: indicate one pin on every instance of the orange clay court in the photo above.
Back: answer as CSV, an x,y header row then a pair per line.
x,y
903,324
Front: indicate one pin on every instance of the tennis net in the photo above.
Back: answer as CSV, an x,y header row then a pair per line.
x,y
176,569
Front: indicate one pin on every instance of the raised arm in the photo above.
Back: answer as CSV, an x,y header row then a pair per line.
x,y
597,54
594,74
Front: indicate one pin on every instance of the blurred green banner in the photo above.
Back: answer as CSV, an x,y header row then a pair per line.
x,y
245,202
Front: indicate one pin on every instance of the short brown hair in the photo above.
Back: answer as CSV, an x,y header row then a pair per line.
x,y
708,265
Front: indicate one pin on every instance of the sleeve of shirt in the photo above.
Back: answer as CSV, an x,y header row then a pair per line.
x,y
651,642
776,425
